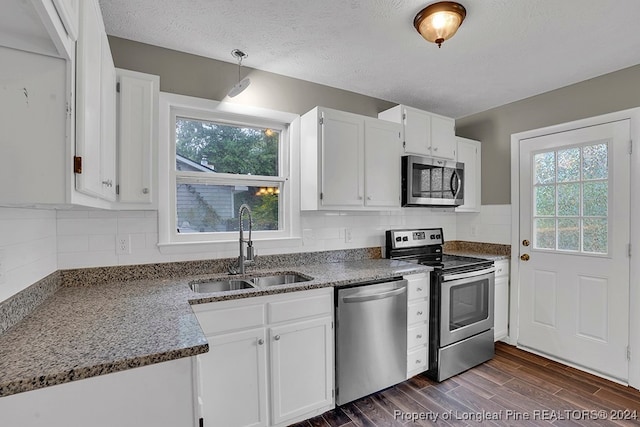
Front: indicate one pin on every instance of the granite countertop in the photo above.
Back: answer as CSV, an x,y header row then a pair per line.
x,y
492,251
85,331
484,255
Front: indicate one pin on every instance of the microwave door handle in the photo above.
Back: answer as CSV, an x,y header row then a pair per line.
x,y
455,175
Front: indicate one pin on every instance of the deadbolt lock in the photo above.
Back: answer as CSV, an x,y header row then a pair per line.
x,y
525,242
524,257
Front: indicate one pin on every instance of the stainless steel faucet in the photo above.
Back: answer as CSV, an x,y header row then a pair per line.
x,y
249,258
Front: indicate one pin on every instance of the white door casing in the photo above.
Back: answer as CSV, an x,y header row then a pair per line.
x,y
597,278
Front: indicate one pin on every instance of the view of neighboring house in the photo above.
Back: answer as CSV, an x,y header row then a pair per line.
x,y
203,207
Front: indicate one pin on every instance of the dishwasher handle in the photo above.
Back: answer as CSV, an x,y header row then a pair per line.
x,y
373,297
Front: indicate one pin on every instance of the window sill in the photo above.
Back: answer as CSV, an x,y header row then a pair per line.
x,y
174,248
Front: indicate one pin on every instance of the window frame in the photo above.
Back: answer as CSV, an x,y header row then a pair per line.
x,y
174,106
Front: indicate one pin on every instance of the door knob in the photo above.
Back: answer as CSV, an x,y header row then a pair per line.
x,y
525,242
524,257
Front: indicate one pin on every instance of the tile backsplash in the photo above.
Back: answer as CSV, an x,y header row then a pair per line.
x,y
35,243
28,250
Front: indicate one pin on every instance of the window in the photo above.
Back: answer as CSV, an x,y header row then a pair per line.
x,y
218,161
571,199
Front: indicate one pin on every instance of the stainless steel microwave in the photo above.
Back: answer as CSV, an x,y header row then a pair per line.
x,y
428,181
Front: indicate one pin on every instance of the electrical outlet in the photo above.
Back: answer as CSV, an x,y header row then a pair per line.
x,y
123,244
474,231
307,237
2,267
348,238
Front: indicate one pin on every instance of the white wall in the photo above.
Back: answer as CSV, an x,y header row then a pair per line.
x,y
87,238
27,248
491,225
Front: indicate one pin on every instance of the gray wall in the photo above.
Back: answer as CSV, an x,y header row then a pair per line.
x,y
192,75
605,94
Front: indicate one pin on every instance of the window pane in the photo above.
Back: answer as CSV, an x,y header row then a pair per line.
x,y
204,208
594,232
545,168
203,146
595,164
569,234
595,198
569,165
568,199
545,200
545,233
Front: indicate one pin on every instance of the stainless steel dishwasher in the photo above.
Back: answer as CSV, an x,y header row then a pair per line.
x,y
371,338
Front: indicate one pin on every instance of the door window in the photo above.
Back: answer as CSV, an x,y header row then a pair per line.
x,y
571,199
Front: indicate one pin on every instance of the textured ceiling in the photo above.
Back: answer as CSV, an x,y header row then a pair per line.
x,y
506,50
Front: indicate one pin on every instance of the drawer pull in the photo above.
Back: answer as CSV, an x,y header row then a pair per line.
x,y
419,336
277,338
418,362
260,341
419,313
419,289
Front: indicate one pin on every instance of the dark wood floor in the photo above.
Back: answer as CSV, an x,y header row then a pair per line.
x,y
511,387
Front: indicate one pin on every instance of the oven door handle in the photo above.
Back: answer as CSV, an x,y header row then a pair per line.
x,y
466,275
373,297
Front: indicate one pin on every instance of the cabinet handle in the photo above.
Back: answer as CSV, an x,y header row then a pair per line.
x,y
435,148
418,362
359,197
108,183
145,191
368,197
419,313
419,336
260,341
419,289
277,338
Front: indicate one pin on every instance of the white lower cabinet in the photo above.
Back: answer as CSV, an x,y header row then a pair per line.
x,y
501,305
417,323
270,361
159,395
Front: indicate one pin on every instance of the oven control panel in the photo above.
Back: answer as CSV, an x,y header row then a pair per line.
x,y
413,238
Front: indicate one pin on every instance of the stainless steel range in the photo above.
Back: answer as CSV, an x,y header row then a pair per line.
x,y
461,301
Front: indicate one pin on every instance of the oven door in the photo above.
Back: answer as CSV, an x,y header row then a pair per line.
x,y
466,304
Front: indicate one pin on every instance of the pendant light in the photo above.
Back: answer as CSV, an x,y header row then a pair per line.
x,y
244,83
439,21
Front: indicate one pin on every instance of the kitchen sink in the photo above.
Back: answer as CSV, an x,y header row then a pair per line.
x,y
204,286
221,285
280,279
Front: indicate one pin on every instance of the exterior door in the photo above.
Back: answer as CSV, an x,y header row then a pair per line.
x,y
574,237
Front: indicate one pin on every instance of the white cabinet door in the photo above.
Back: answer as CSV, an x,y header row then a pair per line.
x,y
69,13
501,306
382,163
88,99
443,137
137,119
301,368
95,106
417,131
469,153
342,159
233,380
108,124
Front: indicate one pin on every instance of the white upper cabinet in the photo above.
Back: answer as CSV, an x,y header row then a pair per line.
x,y
95,107
470,153
137,129
69,13
424,133
349,161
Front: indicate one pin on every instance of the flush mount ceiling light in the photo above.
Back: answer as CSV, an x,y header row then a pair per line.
x,y
439,21
242,84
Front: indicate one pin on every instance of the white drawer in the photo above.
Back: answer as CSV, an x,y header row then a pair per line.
x,y
418,288
417,336
299,308
502,268
229,319
417,312
417,360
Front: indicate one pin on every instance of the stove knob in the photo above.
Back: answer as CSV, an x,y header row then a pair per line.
x,y
438,236
433,236
398,239
405,239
